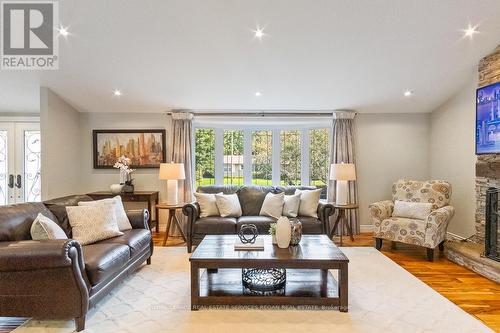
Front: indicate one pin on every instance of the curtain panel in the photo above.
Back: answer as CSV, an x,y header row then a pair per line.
x,y
182,135
342,150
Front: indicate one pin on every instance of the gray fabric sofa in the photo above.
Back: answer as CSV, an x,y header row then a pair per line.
x,y
251,199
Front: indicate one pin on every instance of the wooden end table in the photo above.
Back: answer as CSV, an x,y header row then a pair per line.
x,y
342,220
171,217
216,273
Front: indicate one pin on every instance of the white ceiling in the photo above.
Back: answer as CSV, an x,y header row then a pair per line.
x,y
318,55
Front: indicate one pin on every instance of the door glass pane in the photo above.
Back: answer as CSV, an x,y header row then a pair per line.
x,y
204,156
290,158
32,163
262,164
319,158
233,157
3,169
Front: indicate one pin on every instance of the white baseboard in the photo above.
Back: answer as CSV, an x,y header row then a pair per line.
x,y
366,228
450,235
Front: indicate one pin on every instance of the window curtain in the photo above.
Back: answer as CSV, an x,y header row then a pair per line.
x,y
342,149
182,134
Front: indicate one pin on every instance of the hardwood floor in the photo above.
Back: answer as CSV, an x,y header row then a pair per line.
x,y
473,293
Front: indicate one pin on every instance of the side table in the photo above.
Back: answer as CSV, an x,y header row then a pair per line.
x,y
171,217
342,220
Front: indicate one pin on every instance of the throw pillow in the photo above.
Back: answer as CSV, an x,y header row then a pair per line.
x,y
44,228
273,205
93,223
291,206
309,200
208,204
412,210
229,205
121,215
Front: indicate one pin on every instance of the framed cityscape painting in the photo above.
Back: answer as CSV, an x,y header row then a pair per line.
x,y
145,148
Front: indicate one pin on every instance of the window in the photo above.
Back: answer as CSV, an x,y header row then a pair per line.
x,y
262,156
262,164
290,158
233,157
204,157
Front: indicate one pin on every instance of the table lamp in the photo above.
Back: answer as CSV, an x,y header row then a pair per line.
x,y
172,172
342,173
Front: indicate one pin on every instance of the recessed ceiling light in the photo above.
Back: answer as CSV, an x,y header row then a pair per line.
x,y
117,92
259,32
470,31
63,31
258,94
408,93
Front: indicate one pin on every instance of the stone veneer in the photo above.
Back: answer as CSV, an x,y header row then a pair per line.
x,y
487,166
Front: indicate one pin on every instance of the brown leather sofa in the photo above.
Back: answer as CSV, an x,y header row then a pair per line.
x,y
251,199
60,279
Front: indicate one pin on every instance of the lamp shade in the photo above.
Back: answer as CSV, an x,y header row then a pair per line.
x,y
172,171
343,171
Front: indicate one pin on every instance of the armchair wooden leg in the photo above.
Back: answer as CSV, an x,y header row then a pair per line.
x,y
189,245
441,246
378,243
430,254
148,261
80,323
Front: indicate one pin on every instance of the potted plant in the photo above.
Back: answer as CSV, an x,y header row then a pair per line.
x,y
272,231
126,180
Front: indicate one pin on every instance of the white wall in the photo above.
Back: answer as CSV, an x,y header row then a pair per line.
x,y
453,155
60,128
389,147
100,179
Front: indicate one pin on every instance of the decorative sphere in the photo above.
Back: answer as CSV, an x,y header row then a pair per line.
x,y
248,233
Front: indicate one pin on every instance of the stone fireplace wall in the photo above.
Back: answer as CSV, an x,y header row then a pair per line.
x,y
487,166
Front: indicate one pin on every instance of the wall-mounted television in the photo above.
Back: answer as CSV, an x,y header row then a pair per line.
x,y
488,119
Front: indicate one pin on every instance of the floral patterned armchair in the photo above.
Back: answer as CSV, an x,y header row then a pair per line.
x,y
428,233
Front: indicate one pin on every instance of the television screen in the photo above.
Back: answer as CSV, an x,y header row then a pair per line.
x,y
488,119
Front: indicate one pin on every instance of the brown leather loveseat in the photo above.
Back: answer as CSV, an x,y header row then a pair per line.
x,y
60,279
251,199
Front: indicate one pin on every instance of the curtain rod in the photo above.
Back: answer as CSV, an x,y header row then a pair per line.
x,y
261,114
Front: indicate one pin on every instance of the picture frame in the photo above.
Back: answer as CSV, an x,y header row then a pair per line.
x,y
145,147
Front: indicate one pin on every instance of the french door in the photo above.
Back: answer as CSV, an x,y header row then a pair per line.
x,y
20,162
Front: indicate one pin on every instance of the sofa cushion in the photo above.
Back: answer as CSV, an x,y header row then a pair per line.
x,y
44,228
310,225
261,222
16,220
93,223
117,204
58,207
273,205
251,199
228,205
136,239
103,260
215,225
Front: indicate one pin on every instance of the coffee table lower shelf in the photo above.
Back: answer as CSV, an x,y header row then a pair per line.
x,y
311,287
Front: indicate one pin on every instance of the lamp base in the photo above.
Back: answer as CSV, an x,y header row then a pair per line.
x,y
341,197
172,191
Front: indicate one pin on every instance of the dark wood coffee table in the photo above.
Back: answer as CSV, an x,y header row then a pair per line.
x,y
308,281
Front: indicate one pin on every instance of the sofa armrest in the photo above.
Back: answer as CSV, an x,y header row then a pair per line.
x,y
325,210
437,223
192,211
44,254
139,218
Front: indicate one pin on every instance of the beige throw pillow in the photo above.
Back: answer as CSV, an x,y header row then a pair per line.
x,y
93,223
309,200
208,204
121,216
44,228
273,205
291,206
412,210
229,205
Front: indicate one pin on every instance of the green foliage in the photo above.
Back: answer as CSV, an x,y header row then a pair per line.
x,y
290,157
319,156
262,147
204,155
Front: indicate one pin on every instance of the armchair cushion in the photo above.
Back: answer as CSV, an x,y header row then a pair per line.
x,y
400,229
412,210
380,211
436,192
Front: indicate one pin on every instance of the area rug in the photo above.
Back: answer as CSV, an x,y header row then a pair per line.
x,y
383,297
